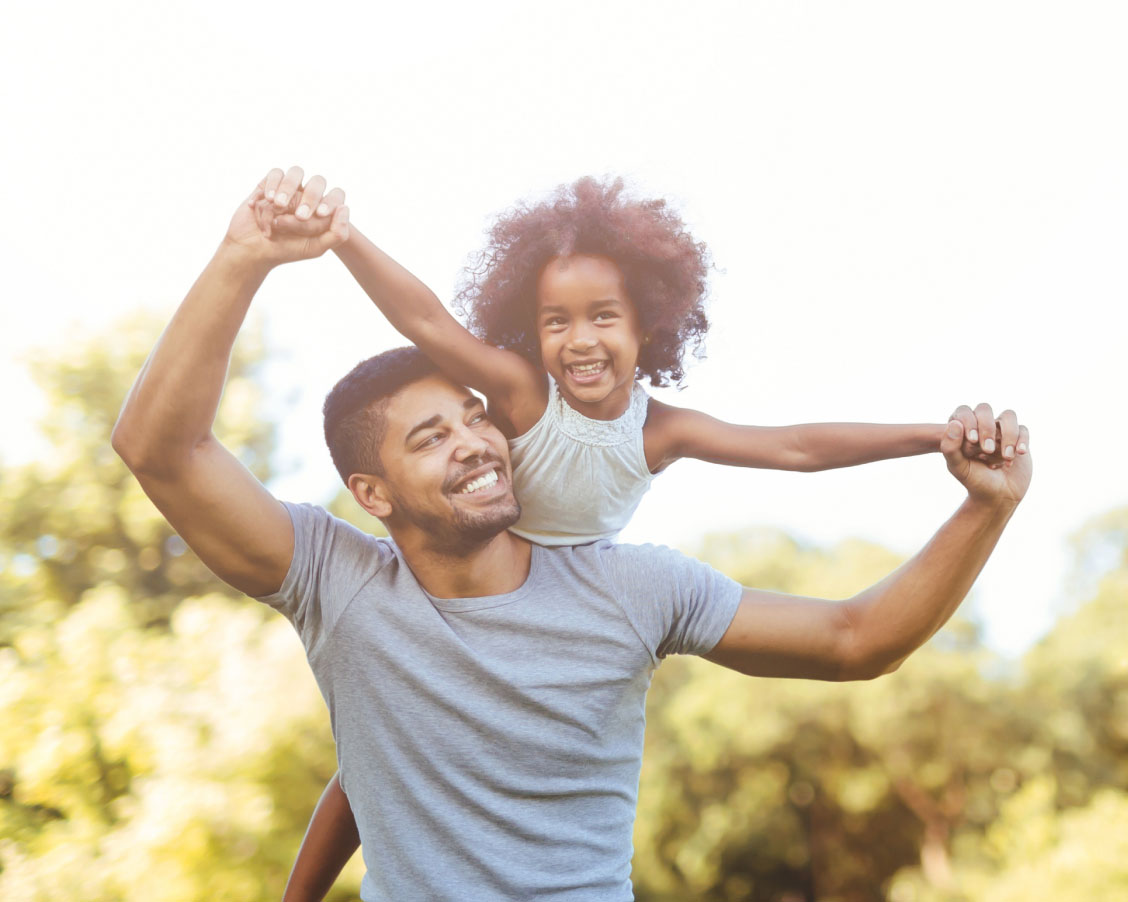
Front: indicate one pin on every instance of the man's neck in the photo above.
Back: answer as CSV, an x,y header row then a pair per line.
x,y
498,567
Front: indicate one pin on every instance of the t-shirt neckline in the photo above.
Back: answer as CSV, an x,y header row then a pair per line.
x,y
483,602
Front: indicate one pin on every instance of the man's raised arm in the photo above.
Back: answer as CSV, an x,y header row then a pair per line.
x,y
871,633
164,431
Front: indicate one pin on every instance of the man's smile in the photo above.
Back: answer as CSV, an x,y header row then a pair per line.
x,y
482,482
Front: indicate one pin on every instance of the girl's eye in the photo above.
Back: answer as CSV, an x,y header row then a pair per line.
x,y
478,418
554,321
606,315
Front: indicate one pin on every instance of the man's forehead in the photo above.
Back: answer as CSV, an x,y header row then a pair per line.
x,y
425,399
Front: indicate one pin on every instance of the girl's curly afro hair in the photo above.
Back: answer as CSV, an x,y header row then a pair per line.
x,y
664,271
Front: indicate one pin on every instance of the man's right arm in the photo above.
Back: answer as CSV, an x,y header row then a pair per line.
x,y
241,532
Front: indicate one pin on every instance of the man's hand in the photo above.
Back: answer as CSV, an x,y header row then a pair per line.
x,y
283,220
989,456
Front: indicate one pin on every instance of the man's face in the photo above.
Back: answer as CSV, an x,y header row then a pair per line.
x,y
446,466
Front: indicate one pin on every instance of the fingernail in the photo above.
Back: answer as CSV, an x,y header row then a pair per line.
x,y
270,194
953,429
1022,447
973,435
302,212
281,199
322,209
989,445
1008,451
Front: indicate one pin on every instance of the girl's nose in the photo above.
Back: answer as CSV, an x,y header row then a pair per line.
x,y
582,339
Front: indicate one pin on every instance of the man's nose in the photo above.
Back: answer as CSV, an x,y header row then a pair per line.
x,y
469,443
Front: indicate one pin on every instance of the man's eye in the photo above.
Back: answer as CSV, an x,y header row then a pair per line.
x,y
479,418
429,440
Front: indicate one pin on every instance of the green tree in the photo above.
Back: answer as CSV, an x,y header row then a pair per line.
x,y
956,778
771,789
78,518
163,737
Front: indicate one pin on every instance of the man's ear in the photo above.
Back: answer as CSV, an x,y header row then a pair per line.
x,y
371,493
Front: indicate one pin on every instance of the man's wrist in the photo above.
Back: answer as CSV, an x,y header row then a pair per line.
x,y
990,507
241,262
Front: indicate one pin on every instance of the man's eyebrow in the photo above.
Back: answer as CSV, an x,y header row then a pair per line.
x,y
432,422
429,423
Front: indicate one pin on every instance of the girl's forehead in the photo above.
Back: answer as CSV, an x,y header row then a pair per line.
x,y
579,276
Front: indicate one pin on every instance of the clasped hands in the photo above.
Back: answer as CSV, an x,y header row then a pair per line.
x,y
990,455
285,220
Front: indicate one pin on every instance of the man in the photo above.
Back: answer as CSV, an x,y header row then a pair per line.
x,y
487,694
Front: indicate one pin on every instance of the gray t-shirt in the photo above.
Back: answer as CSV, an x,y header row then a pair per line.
x,y
490,747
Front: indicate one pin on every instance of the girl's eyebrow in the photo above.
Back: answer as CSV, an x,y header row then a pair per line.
x,y
602,302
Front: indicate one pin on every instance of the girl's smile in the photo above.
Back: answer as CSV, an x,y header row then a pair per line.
x,y
589,333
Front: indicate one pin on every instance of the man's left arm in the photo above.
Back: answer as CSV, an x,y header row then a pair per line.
x,y
871,633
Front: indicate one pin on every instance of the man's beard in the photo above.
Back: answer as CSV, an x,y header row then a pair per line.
x,y
460,531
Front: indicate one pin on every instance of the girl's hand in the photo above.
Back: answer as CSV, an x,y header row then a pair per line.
x,y
985,438
283,220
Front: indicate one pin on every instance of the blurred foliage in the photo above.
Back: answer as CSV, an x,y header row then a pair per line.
x,y
942,782
163,738
78,519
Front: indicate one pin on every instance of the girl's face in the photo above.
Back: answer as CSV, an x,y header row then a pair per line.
x,y
589,333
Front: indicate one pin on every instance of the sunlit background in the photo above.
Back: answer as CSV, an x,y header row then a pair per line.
x,y
911,206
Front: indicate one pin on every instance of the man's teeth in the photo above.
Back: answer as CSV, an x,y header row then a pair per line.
x,y
482,482
586,369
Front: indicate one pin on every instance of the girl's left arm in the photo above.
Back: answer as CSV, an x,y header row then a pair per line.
x,y
674,432
329,843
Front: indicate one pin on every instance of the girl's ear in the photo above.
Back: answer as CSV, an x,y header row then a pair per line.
x,y
372,494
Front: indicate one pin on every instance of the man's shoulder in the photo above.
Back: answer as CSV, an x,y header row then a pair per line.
x,y
612,555
317,526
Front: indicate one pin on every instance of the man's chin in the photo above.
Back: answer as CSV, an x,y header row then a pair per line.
x,y
467,529
478,527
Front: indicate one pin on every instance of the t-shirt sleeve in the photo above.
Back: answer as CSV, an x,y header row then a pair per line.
x,y
676,604
332,561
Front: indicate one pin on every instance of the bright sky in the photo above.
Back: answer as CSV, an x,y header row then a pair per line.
x,y
912,206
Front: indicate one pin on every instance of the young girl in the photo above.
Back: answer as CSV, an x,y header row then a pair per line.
x,y
574,301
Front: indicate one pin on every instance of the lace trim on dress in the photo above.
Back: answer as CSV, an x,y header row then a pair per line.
x,y
602,432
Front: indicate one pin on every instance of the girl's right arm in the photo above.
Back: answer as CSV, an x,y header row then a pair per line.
x,y
513,385
329,843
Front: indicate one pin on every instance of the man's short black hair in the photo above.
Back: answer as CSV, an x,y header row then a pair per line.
x,y
354,409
